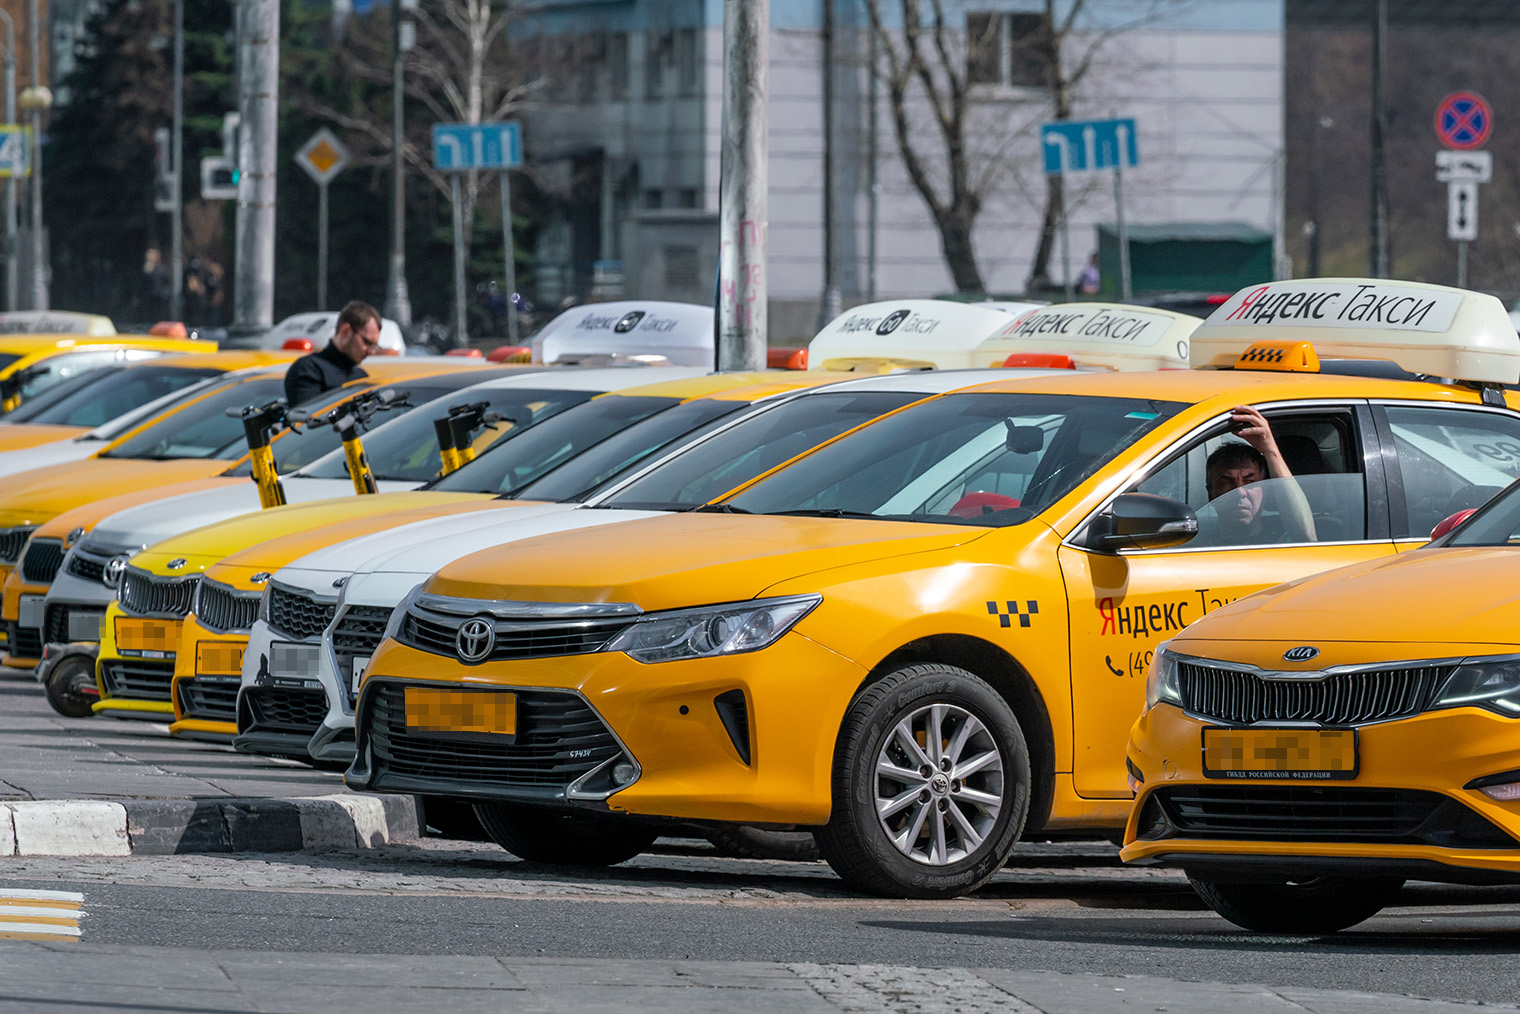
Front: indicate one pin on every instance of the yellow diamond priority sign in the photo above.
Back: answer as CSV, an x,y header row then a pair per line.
x,y
322,156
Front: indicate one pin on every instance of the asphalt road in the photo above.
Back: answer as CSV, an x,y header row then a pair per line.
x,y
1062,908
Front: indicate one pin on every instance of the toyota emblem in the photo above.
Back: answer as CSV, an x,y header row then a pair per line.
x,y
476,640
110,574
1303,653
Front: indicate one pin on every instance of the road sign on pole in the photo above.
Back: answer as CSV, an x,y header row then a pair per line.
x,y
15,150
1464,120
1464,166
1462,211
459,147
323,157
1088,145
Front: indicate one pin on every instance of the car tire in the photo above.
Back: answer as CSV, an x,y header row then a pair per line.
x,y
1310,908
907,851
740,841
65,684
540,835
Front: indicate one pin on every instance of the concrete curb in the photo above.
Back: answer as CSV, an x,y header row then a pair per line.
x,y
90,827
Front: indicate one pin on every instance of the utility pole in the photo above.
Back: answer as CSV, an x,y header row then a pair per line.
x,y
37,98
177,159
11,279
742,200
258,65
829,306
1379,221
398,302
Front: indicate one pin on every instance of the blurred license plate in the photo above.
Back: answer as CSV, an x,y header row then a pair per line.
x,y
361,663
214,658
147,635
31,610
1279,753
287,659
84,625
488,711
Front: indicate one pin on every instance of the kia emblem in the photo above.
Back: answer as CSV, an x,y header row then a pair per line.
x,y
1303,653
476,640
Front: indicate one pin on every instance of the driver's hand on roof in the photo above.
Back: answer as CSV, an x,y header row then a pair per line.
x,y
1251,426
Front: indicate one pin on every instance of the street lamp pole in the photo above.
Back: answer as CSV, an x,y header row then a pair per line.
x,y
10,182
177,159
398,303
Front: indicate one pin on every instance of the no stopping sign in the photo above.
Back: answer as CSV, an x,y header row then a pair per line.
x,y
1464,120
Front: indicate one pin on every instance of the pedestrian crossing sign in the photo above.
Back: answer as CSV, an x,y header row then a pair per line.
x,y
15,150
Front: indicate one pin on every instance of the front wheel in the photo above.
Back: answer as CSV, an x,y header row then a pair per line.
x,y
560,838
1310,908
71,687
931,785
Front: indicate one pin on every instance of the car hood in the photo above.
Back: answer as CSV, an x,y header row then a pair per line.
x,y
684,559
346,519
16,436
44,493
151,523
1440,600
47,455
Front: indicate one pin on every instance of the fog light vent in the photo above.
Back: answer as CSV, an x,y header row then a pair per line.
x,y
733,711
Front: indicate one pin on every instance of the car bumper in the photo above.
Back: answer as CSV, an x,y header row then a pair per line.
x,y
207,673
696,760
1407,812
279,707
135,683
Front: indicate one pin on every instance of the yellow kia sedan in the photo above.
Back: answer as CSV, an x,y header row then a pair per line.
x,y
929,636
1308,749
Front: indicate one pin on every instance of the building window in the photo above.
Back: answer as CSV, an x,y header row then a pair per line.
x,y
1013,50
681,267
654,199
688,60
657,53
617,65
591,59
686,197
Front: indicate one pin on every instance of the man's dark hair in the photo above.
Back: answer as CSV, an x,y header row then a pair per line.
x,y
1234,455
356,314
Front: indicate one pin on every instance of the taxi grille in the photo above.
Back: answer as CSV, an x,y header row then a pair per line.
x,y
144,594
516,639
11,542
86,564
359,632
285,709
137,680
24,642
208,698
299,615
55,624
1327,814
42,560
559,738
1353,698
224,609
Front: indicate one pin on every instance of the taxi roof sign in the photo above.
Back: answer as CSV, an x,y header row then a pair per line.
x,y
1115,336
1427,329
906,333
56,322
647,331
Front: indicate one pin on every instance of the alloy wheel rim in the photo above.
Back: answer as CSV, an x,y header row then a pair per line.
x,y
939,784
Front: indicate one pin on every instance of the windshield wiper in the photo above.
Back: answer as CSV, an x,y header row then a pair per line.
x,y
826,512
721,508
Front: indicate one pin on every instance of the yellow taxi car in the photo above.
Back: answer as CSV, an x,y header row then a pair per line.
x,y
929,636
239,554
187,449
54,347
1306,750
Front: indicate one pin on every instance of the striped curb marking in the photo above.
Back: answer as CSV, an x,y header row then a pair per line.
x,y
40,915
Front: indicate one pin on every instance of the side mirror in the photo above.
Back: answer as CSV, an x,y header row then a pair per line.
x,y
1142,521
1451,522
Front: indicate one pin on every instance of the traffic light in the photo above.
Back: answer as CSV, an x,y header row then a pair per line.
x,y
219,179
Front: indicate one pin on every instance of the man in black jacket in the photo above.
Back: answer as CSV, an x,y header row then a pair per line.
x,y
356,338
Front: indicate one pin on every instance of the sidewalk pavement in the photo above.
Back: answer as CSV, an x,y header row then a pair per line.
x,y
62,978
107,787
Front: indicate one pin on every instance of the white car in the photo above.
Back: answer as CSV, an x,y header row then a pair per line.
x,y
403,454
318,327
290,666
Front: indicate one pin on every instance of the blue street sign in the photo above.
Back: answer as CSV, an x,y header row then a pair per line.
x,y
15,150
461,146
1085,145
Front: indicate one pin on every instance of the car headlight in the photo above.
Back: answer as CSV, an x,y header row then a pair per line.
x,y
1161,683
264,603
1492,683
393,625
712,630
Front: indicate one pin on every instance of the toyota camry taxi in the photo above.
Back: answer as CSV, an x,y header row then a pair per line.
x,y
1308,749
167,458
929,636
233,559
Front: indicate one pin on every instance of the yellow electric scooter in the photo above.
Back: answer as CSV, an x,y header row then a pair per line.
x,y
463,422
351,419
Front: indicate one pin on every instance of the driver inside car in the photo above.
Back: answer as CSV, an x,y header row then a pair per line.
x,y
1237,479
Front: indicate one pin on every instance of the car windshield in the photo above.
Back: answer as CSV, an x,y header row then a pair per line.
x,y
6,359
751,446
1497,524
985,459
407,449
572,481
299,448
98,397
581,432
203,429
